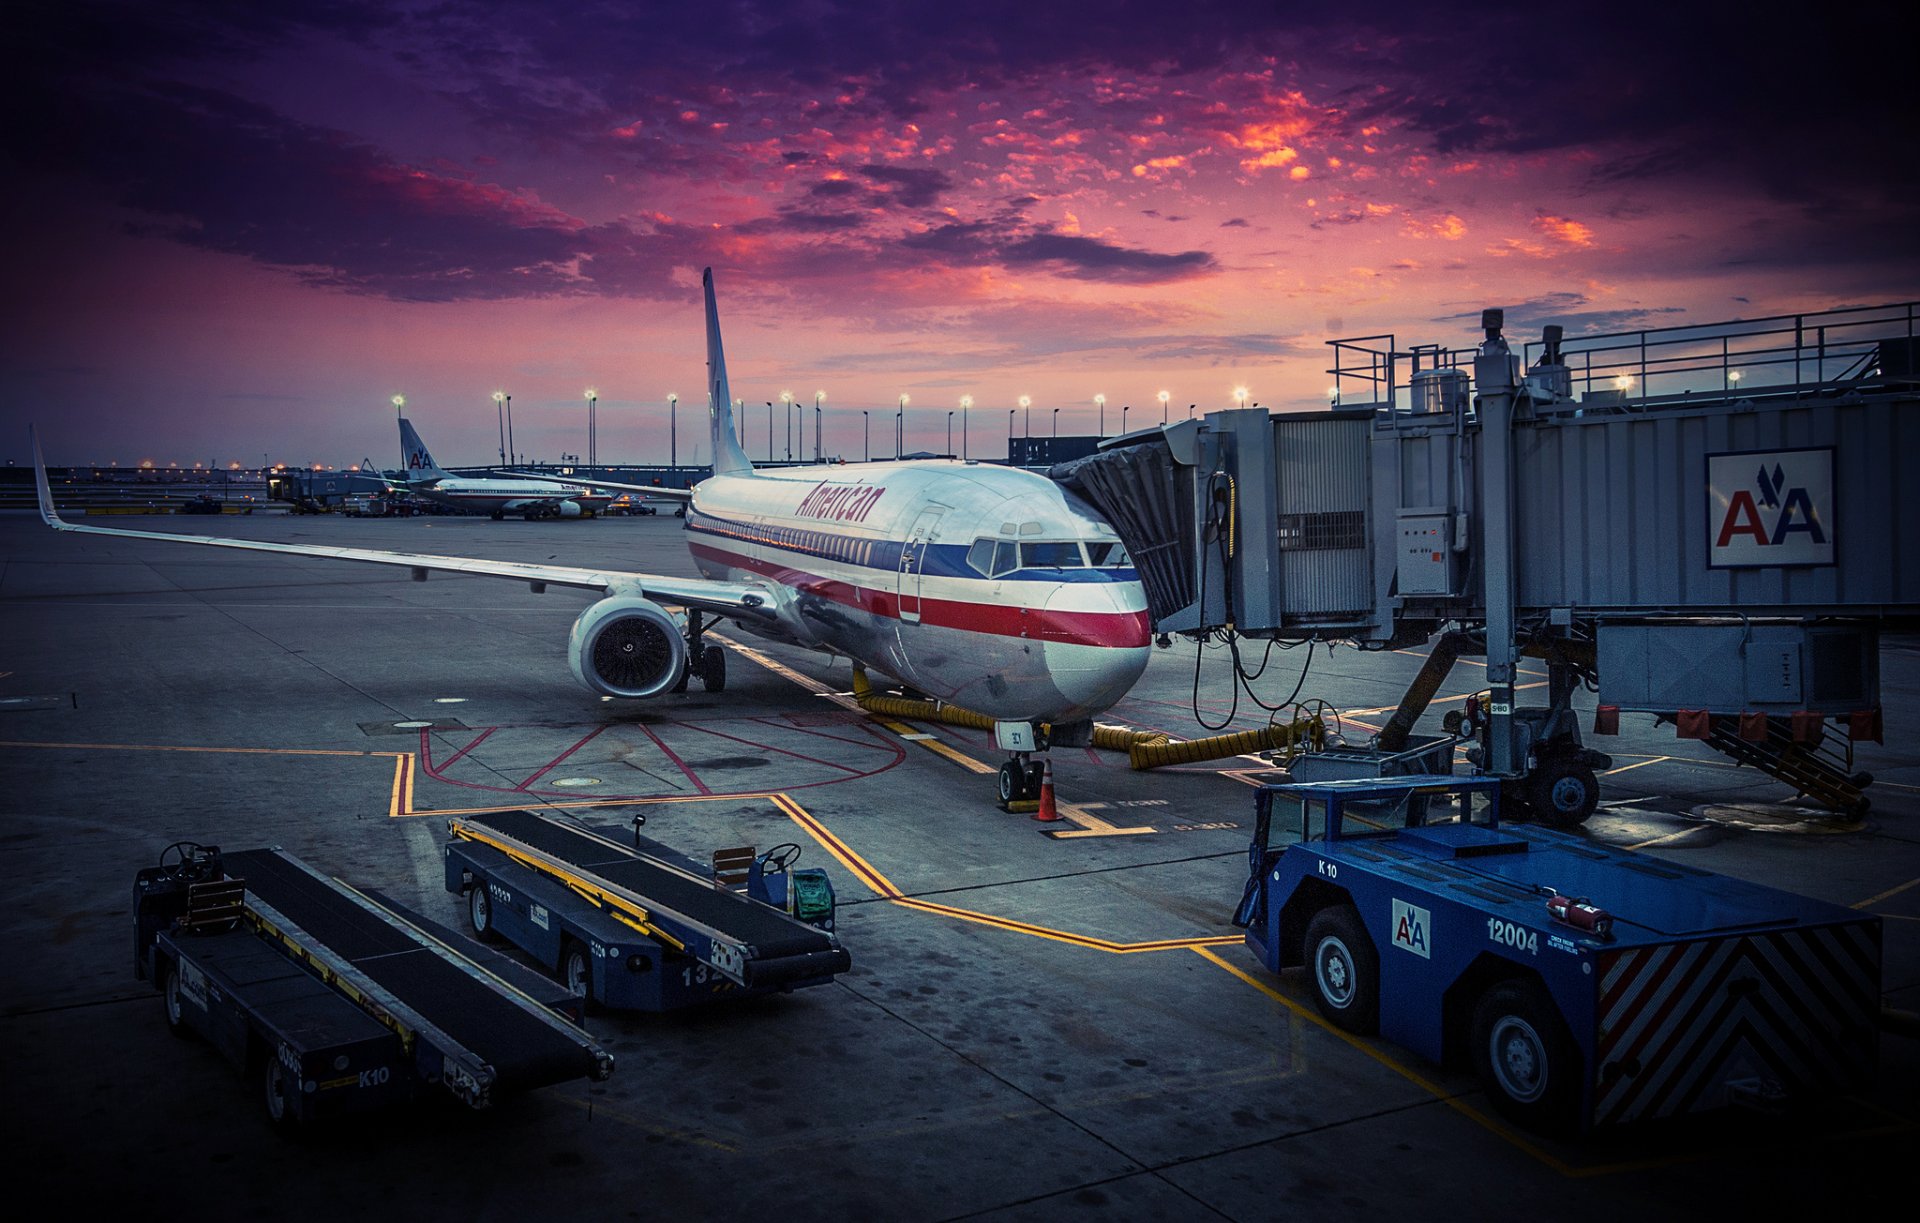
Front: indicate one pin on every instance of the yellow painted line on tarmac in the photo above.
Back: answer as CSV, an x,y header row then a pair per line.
x,y
1662,840
1630,767
869,874
1870,901
819,689
1497,1128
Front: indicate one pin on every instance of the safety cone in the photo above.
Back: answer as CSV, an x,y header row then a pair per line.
x,y
1046,811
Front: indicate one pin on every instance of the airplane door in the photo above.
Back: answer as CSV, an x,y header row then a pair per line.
x,y
912,560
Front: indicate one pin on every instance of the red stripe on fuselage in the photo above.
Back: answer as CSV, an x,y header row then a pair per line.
x,y
1113,630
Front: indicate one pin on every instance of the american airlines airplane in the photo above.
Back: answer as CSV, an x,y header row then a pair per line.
x,y
529,498
986,587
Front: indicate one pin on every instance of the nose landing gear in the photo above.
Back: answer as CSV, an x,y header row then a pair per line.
x,y
1021,777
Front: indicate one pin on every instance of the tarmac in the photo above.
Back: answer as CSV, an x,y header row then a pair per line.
x,y
1036,1025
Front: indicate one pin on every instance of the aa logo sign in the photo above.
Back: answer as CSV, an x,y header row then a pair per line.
x,y
1412,926
1770,507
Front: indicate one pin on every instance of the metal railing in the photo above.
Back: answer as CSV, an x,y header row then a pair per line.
x,y
1627,371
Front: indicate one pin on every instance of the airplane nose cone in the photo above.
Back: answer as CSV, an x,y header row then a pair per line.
x,y
1097,644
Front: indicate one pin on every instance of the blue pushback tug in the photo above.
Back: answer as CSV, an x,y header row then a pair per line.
x,y
1587,985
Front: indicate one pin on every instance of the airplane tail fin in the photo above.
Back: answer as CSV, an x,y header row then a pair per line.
x,y
728,458
415,457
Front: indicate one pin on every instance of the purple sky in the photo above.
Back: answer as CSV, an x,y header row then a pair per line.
x,y
239,229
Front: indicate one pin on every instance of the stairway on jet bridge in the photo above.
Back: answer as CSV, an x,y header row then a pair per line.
x,y
1694,521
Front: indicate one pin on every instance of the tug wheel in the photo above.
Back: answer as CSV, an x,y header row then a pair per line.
x,y
1562,793
1345,969
1525,1057
170,991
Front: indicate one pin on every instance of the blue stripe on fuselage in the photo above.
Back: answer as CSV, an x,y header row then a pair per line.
x,y
883,555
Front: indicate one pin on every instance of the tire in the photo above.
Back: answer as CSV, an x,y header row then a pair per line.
x,y
1036,778
276,1094
1345,970
1013,782
496,515
480,913
713,669
1563,793
170,996
576,970
1526,1059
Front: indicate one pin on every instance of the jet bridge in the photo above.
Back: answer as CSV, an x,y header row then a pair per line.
x,y
1700,522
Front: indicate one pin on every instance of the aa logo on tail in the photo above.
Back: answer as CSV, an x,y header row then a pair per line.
x,y
1770,507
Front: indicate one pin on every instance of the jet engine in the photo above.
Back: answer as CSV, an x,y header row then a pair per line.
x,y
569,509
627,646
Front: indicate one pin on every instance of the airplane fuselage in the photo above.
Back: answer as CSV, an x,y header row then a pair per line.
x,y
987,587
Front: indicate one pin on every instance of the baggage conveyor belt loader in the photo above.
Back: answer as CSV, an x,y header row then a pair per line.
x,y
338,1000
638,927
1587,986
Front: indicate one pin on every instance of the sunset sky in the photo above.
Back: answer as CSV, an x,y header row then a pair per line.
x,y
237,230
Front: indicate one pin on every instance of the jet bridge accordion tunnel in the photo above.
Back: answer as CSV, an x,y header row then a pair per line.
x,y
1703,523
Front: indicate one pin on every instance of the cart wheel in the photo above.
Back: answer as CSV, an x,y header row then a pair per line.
x,y
1563,793
170,991
576,970
1525,1058
277,1094
713,669
1013,782
480,913
1346,969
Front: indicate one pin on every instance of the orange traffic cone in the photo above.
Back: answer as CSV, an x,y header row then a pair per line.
x,y
1046,811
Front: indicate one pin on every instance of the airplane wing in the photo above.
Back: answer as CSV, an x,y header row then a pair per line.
x,y
651,490
733,599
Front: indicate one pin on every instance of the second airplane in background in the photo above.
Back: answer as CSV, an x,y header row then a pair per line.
x,y
495,497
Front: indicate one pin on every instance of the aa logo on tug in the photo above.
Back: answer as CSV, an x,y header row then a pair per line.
x,y
1770,507
1412,926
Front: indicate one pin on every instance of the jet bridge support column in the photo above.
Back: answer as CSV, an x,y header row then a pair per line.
x,y
1493,377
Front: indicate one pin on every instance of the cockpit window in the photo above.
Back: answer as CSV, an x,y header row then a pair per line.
x,y
980,557
1006,557
1062,554
1107,555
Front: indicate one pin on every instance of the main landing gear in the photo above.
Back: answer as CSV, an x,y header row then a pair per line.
x,y
709,662
1021,776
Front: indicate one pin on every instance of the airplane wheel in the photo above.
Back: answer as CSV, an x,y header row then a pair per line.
x,y
496,515
1013,782
1036,777
713,669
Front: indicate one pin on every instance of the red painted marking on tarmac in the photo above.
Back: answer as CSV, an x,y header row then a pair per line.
x,y
678,763
478,740
768,747
555,762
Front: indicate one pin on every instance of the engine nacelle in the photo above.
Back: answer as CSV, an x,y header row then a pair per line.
x,y
569,509
627,646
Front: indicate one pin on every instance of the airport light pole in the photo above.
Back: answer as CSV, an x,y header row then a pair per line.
x,y
1240,395
512,454
900,431
593,436
786,398
966,405
1100,401
1026,405
1056,424
949,433
866,437
819,455
1164,396
673,432
1124,409
500,419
